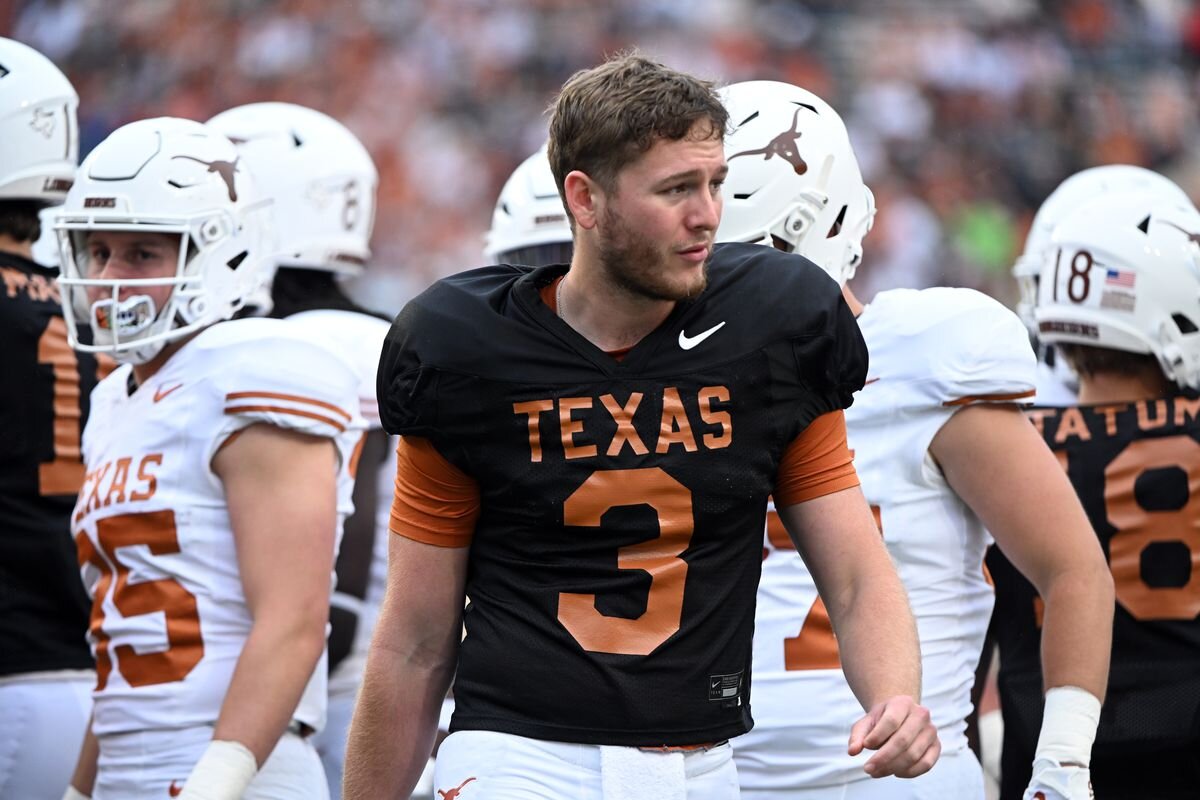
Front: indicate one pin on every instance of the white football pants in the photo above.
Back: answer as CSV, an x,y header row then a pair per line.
x,y
154,765
43,716
956,776
484,765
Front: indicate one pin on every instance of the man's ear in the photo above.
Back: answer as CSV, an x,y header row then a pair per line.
x,y
584,198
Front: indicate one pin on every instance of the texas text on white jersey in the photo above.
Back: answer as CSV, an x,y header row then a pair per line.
x,y
932,352
358,338
156,547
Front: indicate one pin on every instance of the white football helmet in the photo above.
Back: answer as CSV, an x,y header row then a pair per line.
x,y
1123,273
1075,191
529,223
169,176
320,176
794,181
39,137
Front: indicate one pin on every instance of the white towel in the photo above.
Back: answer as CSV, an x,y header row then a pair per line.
x,y
627,773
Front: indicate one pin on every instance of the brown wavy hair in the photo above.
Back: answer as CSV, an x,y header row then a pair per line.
x,y
606,117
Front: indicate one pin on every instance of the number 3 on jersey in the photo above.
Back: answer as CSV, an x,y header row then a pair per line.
x,y
671,500
815,646
154,530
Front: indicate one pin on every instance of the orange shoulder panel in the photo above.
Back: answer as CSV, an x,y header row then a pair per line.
x,y
435,502
817,462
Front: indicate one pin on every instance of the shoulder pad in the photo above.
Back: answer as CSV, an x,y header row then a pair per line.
x,y
787,295
271,371
953,346
358,339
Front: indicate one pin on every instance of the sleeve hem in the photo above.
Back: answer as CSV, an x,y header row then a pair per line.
x,y
834,483
991,398
435,538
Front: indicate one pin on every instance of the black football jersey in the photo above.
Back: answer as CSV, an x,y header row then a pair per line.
x,y
613,569
1135,467
44,392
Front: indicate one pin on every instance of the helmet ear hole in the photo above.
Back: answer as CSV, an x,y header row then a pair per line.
x,y
836,227
1184,324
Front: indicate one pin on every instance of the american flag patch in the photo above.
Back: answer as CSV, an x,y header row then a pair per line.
x,y
1117,277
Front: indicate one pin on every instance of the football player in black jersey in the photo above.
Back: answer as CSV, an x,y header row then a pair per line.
x,y
1119,296
45,667
587,454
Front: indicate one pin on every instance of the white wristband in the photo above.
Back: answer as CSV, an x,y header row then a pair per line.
x,y
74,794
1068,726
222,773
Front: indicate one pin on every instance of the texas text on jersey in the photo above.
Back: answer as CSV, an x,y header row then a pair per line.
x,y
1135,467
612,585
932,352
169,616
43,607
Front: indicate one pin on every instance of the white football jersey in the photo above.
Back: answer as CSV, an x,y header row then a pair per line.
x,y
932,352
156,547
358,338
1056,385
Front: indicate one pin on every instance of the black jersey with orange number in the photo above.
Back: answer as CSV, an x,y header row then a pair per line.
x,y
613,568
1136,469
44,390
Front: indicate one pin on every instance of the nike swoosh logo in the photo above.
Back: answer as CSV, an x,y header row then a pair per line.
x,y
174,790
688,342
160,393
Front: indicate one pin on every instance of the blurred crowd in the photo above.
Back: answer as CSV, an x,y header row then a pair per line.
x,y
965,113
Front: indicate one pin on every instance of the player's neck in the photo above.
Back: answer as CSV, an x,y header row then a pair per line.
x,y
9,245
856,306
607,315
145,371
1115,388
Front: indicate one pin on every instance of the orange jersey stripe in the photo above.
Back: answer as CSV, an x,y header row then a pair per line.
x,y
285,410
989,398
292,397
817,462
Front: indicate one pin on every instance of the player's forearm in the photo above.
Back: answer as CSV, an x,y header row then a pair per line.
x,y
877,637
84,777
395,723
1077,626
276,663
839,542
